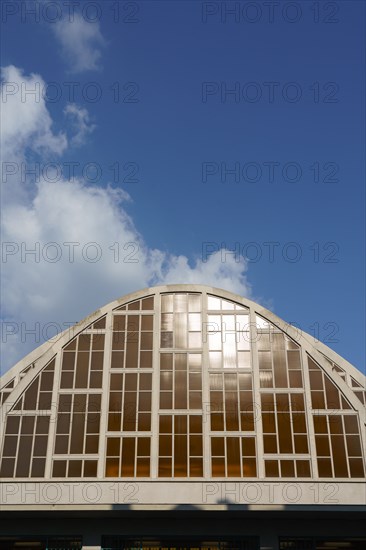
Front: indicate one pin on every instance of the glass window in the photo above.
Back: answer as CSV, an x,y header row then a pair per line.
x,y
194,345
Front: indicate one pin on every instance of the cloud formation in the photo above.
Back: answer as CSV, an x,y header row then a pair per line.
x,y
81,43
81,123
69,248
26,120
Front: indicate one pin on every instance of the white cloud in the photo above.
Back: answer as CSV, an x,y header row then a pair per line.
x,y
220,270
26,127
81,123
25,118
59,282
81,42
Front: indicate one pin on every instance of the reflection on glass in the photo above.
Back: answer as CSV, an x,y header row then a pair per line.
x,y
261,323
167,303
194,302
265,379
229,351
213,303
284,413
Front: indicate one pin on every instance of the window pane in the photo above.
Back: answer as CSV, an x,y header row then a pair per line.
x,y
287,468
217,446
356,467
75,468
165,424
249,467
165,467
194,302
215,359
167,302
119,322
90,468
12,424
145,359
145,381
84,342
270,443
40,445
128,457
112,467
24,453
196,467
233,457
82,370
339,456
59,468
271,467
10,446
143,446
38,466
144,423
301,444
147,303
324,467
143,467
354,445
180,455
147,322
98,342
303,468
218,467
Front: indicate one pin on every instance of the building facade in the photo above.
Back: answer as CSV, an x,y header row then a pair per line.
x,y
183,416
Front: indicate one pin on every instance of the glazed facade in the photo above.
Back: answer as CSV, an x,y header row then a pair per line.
x,y
179,390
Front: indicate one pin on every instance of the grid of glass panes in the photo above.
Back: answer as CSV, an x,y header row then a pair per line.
x,y
25,446
338,445
78,424
339,451
180,381
285,433
132,340
214,303
25,442
129,406
145,304
6,391
180,445
231,402
128,457
38,395
231,393
357,388
233,457
181,321
324,393
287,468
74,468
228,338
82,359
279,359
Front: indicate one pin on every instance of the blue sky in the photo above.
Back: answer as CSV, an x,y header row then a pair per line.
x,y
293,131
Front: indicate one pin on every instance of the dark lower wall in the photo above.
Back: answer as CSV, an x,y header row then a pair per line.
x,y
267,526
